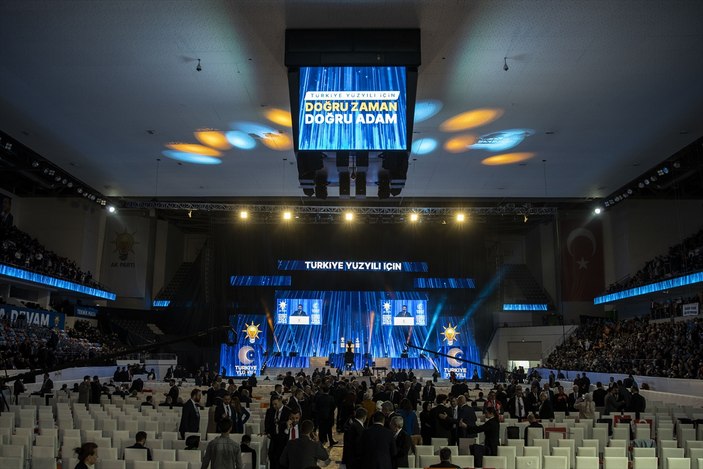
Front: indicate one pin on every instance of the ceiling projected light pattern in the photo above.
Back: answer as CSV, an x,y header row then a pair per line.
x,y
242,136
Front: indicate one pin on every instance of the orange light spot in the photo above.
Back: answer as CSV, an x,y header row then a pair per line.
x,y
459,143
212,138
279,116
470,119
194,148
277,141
507,158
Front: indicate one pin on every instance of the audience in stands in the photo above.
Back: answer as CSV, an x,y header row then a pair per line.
x,y
681,259
636,346
21,250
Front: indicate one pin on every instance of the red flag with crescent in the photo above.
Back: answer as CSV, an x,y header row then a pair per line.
x,y
582,259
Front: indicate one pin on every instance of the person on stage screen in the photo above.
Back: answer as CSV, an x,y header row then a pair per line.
x,y
403,313
299,311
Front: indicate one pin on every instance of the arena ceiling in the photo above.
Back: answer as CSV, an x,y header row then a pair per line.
x,y
602,91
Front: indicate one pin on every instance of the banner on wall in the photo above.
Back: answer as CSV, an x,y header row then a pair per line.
x,y
246,356
582,259
85,311
21,316
690,309
125,255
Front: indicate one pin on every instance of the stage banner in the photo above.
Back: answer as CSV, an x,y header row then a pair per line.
x,y
342,265
454,337
25,317
690,309
582,259
125,255
245,355
85,311
451,365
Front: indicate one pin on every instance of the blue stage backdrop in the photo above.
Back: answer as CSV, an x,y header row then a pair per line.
x,y
247,355
375,323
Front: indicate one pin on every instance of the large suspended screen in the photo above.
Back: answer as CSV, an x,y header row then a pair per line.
x,y
352,108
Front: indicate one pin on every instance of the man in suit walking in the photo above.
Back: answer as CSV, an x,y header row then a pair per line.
x,y
378,445
466,418
275,427
352,451
190,417
223,408
403,443
303,452
491,430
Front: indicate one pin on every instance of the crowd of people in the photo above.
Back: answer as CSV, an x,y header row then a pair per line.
x,y
637,346
22,250
25,346
682,258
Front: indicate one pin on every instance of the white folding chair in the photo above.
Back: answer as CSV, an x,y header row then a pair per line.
x,y
555,462
174,465
668,453
163,454
614,452
135,454
145,464
644,462
615,462
510,453
679,463
426,460
109,464
11,463
43,463
463,460
495,462
534,451
564,451
527,462
43,452
438,443
644,452
188,456
587,451
583,462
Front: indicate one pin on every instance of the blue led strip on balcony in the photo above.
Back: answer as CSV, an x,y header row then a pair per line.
x,y
260,280
160,303
34,277
524,307
650,288
441,283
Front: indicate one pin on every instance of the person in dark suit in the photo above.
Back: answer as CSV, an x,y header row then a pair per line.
x,y
533,424
324,411
491,431
445,459
140,442
173,391
378,445
403,443
441,418
303,452
299,311
47,386
403,313
429,393
190,416
275,426
245,446
354,429
546,411
466,417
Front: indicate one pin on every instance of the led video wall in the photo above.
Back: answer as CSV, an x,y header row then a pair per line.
x,y
352,108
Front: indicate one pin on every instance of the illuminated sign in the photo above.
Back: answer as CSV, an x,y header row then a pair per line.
x,y
352,108
353,266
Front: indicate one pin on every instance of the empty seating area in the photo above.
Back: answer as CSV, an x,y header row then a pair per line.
x,y
666,438
37,436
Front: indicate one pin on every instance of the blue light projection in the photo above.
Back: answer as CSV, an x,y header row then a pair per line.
x,y
650,288
524,307
160,303
241,140
34,277
424,146
501,140
426,109
442,283
190,157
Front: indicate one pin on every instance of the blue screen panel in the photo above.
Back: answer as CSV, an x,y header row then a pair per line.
x,y
650,288
22,274
260,280
299,311
442,283
352,108
524,307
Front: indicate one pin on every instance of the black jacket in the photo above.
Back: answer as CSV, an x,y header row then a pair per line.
x,y
379,447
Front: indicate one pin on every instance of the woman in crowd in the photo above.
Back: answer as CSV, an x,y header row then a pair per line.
x,y
586,407
87,455
240,416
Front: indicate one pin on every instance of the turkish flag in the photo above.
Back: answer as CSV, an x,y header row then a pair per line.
x,y
581,259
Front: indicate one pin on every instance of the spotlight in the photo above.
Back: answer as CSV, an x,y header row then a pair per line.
x,y
287,215
64,181
460,217
414,217
35,164
198,67
111,209
190,214
524,218
349,216
640,185
57,178
243,214
79,190
597,210
676,165
646,182
69,185
629,192
46,170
